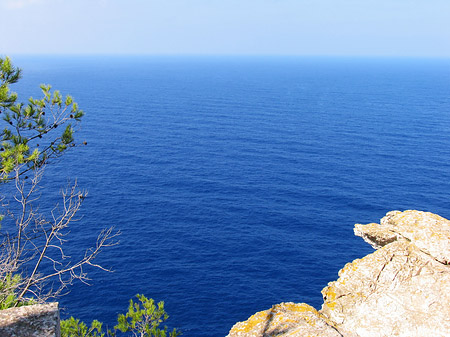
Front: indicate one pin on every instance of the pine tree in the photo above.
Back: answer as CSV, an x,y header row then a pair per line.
x,y
29,138
33,135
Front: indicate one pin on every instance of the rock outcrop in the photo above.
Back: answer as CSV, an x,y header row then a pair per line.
x,y
286,319
39,320
402,289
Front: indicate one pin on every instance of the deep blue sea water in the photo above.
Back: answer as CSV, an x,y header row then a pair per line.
x,y
236,181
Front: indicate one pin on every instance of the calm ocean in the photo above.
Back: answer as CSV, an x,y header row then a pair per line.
x,y
236,181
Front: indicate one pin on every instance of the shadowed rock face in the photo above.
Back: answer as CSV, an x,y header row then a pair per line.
x,y
402,289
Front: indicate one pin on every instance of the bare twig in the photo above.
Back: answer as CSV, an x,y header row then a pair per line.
x,y
37,240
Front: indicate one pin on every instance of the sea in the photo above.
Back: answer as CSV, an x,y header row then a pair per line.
x,y
236,181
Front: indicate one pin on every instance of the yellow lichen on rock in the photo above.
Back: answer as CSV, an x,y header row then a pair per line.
x,y
285,320
428,231
401,289
260,318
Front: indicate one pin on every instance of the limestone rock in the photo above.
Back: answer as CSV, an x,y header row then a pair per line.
x,y
286,320
396,291
40,320
402,289
375,235
429,232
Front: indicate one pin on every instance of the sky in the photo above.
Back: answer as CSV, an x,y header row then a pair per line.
x,y
388,28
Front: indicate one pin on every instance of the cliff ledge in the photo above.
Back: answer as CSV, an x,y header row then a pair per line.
x,y
399,290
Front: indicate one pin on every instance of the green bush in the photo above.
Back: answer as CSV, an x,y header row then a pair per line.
x,y
8,297
140,321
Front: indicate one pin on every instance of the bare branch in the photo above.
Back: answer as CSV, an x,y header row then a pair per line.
x,y
40,240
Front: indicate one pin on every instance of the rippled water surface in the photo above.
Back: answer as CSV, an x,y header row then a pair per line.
x,y
236,182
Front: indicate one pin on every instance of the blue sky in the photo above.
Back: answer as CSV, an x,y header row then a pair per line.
x,y
244,27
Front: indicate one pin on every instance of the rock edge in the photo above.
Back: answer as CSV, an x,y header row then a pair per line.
x,y
39,320
399,290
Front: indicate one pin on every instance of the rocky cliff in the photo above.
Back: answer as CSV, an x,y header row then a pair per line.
x,y
39,320
402,289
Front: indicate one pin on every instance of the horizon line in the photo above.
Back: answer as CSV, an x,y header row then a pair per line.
x,y
230,55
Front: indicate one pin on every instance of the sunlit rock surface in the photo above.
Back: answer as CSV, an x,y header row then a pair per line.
x,y
427,231
39,320
402,289
286,319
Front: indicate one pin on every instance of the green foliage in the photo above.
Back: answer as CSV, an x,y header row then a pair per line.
x,y
144,321
140,321
8,297
74,328
28,139
31,135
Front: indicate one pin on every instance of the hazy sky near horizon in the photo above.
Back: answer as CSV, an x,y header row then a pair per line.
x,y
413,28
